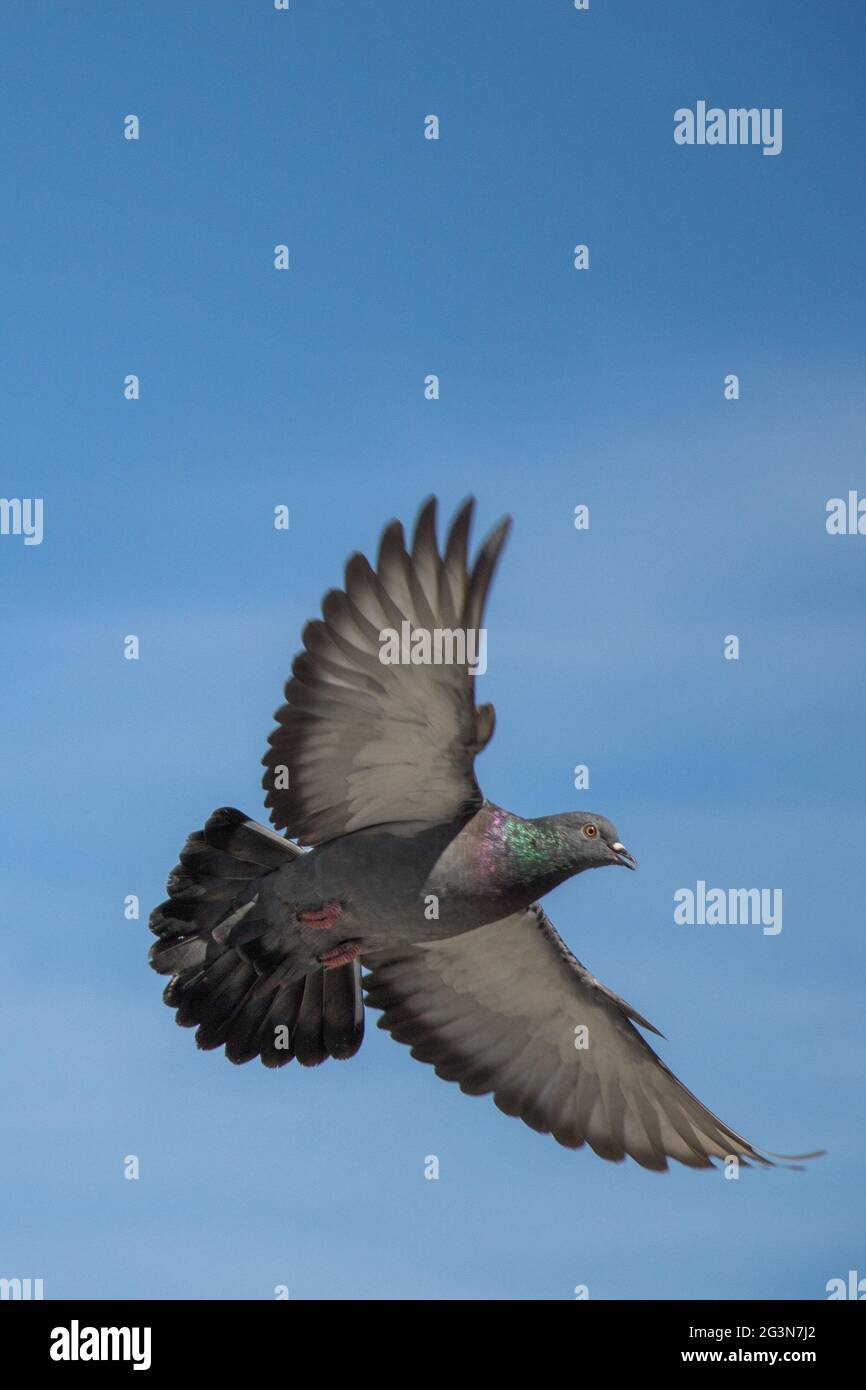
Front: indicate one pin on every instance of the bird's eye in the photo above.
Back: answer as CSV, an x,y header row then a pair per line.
x,y
590,831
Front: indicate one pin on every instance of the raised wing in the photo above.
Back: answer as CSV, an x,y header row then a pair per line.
x,y
362,742
508,1009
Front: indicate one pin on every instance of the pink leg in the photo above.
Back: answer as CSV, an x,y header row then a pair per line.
x,y
341,955
322,917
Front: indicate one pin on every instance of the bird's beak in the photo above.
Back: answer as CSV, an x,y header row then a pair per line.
x,y
622,855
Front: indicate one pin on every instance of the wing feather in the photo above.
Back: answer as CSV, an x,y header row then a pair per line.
x,y
497,1010
364,743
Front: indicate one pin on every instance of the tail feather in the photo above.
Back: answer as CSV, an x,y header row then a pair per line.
x,y
217,1001
343,1010
255,1025
231,976
276,1045
308,1037
247,841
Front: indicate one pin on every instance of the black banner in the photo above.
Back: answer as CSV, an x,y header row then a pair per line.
x,y
67,1337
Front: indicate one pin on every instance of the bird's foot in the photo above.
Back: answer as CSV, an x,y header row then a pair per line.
x,y
323,916
341,955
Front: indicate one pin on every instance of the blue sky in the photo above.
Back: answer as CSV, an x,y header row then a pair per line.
x,y
558,387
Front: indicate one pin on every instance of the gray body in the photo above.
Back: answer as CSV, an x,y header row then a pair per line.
x,y
405,884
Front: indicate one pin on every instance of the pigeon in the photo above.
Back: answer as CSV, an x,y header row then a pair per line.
x,y
386,857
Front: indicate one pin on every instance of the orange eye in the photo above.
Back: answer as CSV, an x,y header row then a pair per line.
x,y
590,831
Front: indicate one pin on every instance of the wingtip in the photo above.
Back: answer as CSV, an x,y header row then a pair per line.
x,y
461,522
425,523
795,1159
394,536
495,539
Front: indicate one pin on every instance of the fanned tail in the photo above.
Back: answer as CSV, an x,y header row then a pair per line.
x,y
231,980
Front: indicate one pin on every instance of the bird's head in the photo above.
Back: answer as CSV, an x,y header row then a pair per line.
x,y
594,841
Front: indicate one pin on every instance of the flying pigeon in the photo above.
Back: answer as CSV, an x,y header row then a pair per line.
x,y
393,860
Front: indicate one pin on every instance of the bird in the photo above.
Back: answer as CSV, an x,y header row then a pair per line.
x,y
388,879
